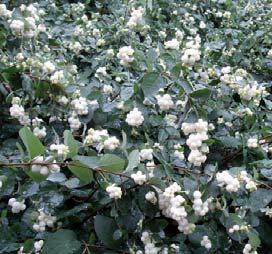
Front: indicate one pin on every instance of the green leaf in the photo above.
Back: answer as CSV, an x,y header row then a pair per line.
x,y
186,86
81,172
74,211
149,209
32,143
157,182
229,141
72,183
200,93
6,247
89,161
105,228
157,225
37,177
198,233
28,245
11,75
151,83
190,184
265,232
268,104
267,173
254,239
117,234
260,199
150,4
57,177
133,160
176,70
8,181
124,143
27,84
263,163
71,143
3,37
61,242
112,163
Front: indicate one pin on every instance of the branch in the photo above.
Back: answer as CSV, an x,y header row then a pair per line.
x,y
62,164
189,171
235,154
94,246
229,157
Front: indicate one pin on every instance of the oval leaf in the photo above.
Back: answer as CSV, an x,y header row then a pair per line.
x,y
71,143
82,172
105,228
32,143
112,163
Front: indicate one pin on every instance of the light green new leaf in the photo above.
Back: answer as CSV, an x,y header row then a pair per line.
x,y
112,163
71,143
32,143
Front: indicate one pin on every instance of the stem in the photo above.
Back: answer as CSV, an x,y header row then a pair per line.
x,y
65,164
107,248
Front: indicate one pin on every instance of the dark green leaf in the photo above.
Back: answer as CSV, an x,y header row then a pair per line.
x,y
151,83
105,228
229,141
260,199
201,93
61,242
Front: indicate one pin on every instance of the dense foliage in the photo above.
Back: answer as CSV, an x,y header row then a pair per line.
x,y
135,126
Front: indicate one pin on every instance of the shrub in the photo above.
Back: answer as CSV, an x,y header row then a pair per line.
x,y
135,127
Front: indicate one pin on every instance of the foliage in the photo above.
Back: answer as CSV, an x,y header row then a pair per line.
x,y
135,126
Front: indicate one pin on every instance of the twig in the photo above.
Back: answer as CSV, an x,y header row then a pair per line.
x,y
263,183
95,212
106,248
229,157
233,155
189,171
65,164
